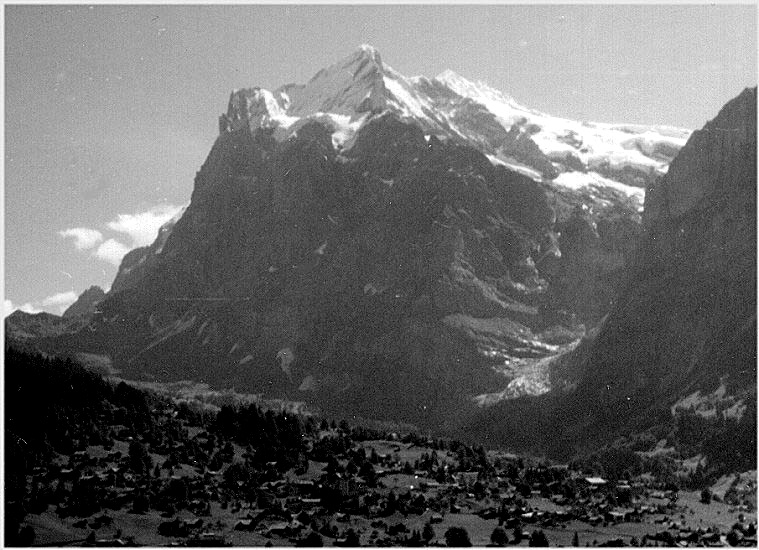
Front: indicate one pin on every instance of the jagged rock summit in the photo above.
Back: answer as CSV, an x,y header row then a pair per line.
x,y
85,304
383,246
350,93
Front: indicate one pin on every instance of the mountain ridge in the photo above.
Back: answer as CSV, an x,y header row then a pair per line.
x,y
350,91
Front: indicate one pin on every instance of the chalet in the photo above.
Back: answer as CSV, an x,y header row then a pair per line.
x,y
594,482
594,519
173,528
245,525
304,485
467,478
310,502
280,529
616,517
351,487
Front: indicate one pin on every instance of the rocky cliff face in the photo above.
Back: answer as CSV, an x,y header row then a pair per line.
x,y
361,278
383,246
85,304
684,324
686,318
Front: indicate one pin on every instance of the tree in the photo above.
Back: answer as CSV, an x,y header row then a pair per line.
x,y
415,540
351,539
428,533
457,537
367,472
139,458
313,539
141,504
538,539
26,536
499,537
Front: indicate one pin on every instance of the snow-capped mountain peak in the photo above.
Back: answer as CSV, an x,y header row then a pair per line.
x,y
349,93
474,90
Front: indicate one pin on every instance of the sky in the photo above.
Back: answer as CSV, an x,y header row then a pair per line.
x,y
111,110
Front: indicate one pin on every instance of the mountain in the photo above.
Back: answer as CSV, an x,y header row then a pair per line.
x,y
384,246
21,326
681,336
350,93
85,303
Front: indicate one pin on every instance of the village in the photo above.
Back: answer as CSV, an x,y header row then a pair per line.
x,y
352,487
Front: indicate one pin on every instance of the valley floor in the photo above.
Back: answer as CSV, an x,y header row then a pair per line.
x,y
651,516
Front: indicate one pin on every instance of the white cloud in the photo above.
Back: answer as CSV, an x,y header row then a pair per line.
x,y
84,237
9,307
112,251
61,299
142,227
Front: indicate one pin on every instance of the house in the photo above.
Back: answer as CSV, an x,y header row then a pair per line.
x,y
280,529
245,525
350,487
173,528
617,517
468,478
310,502
595,482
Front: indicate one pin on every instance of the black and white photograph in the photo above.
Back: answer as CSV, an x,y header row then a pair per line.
x,y
380,275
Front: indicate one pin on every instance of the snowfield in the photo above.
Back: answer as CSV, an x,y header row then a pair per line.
x,y
574,154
